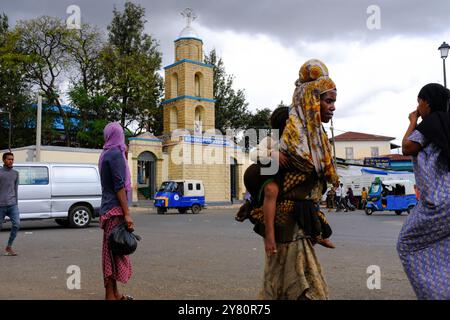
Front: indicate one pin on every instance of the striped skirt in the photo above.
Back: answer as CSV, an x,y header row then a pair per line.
x,y
122,269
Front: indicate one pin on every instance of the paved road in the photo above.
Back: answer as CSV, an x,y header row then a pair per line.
x,y
205,256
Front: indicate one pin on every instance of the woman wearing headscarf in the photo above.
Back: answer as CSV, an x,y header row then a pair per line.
x,y
292,271
116,186
424,241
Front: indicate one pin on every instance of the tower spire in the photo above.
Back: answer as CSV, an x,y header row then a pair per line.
x,y
189,15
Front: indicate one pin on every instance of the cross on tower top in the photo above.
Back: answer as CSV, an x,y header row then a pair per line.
x,y
190,15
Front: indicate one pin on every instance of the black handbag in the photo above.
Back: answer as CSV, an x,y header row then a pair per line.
x,y
122,242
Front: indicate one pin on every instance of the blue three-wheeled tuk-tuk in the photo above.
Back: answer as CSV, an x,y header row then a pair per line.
x,y
181,195
391,195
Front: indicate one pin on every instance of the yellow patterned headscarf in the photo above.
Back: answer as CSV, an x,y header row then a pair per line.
x,y
304,139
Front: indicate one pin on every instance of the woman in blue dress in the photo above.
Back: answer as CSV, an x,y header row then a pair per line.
x,y
424,241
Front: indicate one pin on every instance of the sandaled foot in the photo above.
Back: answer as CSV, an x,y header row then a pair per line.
x,y
126,297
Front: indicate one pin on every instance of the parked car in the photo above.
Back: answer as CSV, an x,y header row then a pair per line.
x,y
181,195
69,193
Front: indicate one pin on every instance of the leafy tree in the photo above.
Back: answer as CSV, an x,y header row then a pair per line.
x,y
86,93
43,41
14,96
93,116
260,119
130,62
84,46
231,108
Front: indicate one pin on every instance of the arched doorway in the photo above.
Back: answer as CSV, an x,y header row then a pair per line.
x,y
233,179
146,175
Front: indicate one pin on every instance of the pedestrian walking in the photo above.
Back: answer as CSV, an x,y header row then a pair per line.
x,y
363,198
292,270
424,241
9,195
116,186
339,196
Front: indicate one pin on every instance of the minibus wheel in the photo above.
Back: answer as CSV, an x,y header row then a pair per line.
x,y
160,210
369,211
79,216
398,212
196,209
182,210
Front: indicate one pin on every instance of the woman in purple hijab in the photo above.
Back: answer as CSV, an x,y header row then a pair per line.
x,y
116,188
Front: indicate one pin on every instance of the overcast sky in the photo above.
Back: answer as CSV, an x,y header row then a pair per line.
x,y
263,43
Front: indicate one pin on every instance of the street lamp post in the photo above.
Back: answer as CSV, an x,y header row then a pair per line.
x,y
444,48
9,136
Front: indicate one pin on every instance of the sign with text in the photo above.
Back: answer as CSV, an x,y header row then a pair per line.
x,y
377,162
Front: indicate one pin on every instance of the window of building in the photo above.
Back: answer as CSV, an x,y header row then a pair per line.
x,y
374,152
349,153
190,186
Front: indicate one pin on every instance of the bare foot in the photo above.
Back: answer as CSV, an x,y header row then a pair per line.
x,y
326,243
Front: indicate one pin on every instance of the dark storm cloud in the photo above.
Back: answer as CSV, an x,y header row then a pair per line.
x,y
286,20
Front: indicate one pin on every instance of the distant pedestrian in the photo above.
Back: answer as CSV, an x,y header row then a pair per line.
x,y
363,198
9,184
350,199
116,185
424,241
339,196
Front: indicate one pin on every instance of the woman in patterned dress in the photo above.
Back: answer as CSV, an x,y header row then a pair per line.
x,y
424,241
292,270
116,186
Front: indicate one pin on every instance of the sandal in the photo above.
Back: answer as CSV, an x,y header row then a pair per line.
x,y
126,297
10,253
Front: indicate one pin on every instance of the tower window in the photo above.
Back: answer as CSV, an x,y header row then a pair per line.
x,y
174,85
173,119
199,119
198,84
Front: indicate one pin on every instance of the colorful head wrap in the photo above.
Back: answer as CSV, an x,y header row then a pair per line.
x,y
304,138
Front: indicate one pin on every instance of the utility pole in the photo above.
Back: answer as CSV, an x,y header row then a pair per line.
x,y
38,128
332,138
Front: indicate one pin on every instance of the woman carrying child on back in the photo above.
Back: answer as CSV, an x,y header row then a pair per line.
x,y
294,223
